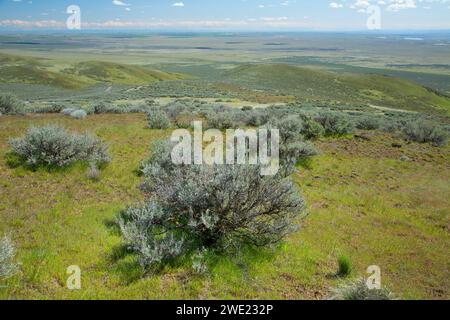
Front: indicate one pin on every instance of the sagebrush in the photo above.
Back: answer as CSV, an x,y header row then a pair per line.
x,y
7,254
424,131
214,207
358,290
54,146
10,105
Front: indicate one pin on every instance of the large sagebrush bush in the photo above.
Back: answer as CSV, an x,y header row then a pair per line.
x,y
424,131
7,254
10,105
54,146
191,207
157,119
358,290
335,124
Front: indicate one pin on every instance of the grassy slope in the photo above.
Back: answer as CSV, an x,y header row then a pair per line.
x,y
17,69
13,59
120,73
323,85
33,75
363,202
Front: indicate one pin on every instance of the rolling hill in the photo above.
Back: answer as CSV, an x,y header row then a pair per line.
x,y
35,75
318,84
120,73
28,70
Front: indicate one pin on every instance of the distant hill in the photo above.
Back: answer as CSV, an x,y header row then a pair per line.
x,y
28,70
326,85
120,73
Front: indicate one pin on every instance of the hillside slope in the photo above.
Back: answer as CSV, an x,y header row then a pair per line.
x,y
35,75
28,70
120,73
325,85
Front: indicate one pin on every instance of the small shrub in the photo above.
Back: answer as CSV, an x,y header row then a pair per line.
x,y
293,148
392,126
185,119
220,120
292,153
335,124
345,266
101,108
312,130
7,254
174,109
358,290
93,172
423,131
254,119
51,108
79,114
68,111
290,128
368,123
157,119
54,146
198,261
10,105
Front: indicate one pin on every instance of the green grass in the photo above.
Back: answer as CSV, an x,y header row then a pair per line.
x,y
355,88
362,201
345,266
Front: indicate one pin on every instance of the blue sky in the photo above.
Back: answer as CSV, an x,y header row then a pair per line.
x,y
227,14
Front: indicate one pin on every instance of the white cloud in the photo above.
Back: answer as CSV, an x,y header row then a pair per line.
x,y
336,5
178,4
120,3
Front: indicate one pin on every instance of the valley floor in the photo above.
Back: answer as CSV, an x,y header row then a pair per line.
x,y
378,204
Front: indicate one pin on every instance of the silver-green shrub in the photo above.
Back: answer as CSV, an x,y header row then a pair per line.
x,y
68,111
93,173
220,120
293,146
214,207
335,124
157,119
424,131
54,146
311,129
7,254
10,105
79,114
358,290
368,123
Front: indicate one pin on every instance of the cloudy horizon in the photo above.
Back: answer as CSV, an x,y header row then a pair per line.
x,y
292,15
